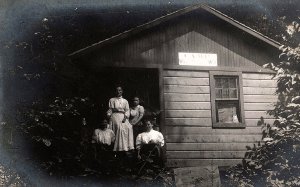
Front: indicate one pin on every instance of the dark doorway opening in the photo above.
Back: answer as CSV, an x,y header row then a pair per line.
x,y
141,82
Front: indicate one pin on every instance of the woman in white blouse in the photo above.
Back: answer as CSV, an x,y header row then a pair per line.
x,y
136,116
103,135
150,137
118,113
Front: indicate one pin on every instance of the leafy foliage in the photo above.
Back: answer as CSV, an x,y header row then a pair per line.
x,y
277,161
9,177
61,130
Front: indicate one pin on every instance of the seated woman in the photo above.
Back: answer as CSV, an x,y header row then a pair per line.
x,y
103,139
150,142
104,136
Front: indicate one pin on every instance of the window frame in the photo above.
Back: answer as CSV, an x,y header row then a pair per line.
x,y
215,124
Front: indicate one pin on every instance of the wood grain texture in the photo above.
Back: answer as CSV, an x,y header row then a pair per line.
x,y
187,105
205,154
186,81
260,98
201,162
259,83
195,74
257,114
253,122
185,36
186,89
258,70
212,138
258,106
258,91
208,146
161,45
187,97
256,76
201,122
182,130
187,113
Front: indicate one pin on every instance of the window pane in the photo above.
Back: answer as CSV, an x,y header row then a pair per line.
x,y
233,82
233,93
227,112
226,87
225,83
218,93
225,93
218,83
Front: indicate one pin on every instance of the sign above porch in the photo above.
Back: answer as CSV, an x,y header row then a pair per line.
x,y
197,59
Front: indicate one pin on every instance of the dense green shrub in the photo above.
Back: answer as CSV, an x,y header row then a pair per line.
x,y
277,161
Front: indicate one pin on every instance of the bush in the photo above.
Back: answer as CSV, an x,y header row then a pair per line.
x,y
277,161
62,131
274,163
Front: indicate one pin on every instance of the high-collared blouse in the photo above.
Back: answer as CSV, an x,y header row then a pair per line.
x,y
120,104
106,136
152,136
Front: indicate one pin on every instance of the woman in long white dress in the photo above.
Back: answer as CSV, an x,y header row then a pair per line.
x,y
118,114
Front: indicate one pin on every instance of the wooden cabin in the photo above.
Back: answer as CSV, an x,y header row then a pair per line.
x,y
203,71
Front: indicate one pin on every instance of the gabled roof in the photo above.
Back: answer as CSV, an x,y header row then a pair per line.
x,y
172,15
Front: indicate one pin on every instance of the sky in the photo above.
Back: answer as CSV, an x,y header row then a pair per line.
x,y
18,17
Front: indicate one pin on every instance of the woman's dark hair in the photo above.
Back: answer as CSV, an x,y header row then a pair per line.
x,y
147,118
103,124
118,85
141,101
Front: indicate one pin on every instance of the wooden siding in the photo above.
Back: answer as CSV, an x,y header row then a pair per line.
x,y
190,81
259,97
205,154
254,122
188,101
180,105
228,53
185,89
202,162
187,130
208,146
187,97
191,33
186,93
213,138
200,122
190,138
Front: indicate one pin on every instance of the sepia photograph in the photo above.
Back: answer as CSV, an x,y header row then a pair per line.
x,y
150,93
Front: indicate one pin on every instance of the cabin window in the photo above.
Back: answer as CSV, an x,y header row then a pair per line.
x,y
226,100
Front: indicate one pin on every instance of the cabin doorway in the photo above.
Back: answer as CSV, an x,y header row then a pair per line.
x,y
141,82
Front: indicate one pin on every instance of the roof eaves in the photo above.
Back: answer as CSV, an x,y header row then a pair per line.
x,y
241,26
135,30
170,16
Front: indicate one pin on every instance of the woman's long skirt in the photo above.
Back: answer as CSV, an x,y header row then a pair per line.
x,y
123,132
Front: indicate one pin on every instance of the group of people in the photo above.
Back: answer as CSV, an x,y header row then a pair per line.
x,y
127,128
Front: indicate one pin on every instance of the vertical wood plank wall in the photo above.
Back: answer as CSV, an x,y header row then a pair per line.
x,y
189,135
190,138
189,34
